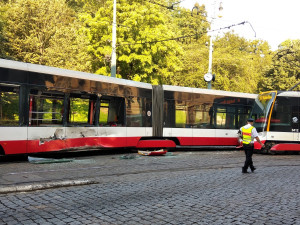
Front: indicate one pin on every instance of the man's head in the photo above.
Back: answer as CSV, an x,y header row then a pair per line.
x,y
250,120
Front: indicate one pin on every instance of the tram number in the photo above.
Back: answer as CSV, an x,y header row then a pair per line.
x,y
295,130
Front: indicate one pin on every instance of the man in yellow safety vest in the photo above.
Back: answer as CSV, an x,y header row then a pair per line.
x,y
248,134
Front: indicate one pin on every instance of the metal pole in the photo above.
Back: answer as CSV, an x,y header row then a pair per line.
x,y
114,39
212,36
210,60
210,55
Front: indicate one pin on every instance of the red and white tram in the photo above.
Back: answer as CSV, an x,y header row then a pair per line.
x,y
49,109
204,118
276,116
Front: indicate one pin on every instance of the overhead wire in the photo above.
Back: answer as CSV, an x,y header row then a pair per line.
x,y
172,8
168,7
182,37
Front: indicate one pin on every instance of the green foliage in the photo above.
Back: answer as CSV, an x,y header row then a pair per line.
x,y
239,63
79,109
76,34
195,54
46,32
180,118
69,41
141,56
195,60
82,6
32,24
3,40
9,108
284,72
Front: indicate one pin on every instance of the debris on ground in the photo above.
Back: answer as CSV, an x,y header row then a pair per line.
x,y
36,160
129,156
169,154
153,153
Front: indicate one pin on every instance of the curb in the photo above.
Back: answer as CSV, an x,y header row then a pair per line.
x,y
42,186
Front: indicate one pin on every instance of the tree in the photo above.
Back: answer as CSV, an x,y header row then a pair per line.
x,y
239,64
284,72
192,25
86,6
157,43
46,32
68,48
3,40
144,51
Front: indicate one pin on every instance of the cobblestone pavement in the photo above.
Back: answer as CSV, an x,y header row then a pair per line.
x,y
183,188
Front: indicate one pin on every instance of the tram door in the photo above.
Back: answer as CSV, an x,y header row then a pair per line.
x,y
295,117
285,118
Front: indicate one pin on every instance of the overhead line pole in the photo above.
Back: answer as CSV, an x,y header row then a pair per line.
x,y
212,36
114,40
210,60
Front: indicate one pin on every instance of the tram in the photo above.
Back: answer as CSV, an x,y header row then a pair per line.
x,y
46,109
204,118
276,115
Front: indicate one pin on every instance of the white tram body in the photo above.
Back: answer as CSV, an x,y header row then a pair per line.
x,y
36,129
277,115
50,109
212,120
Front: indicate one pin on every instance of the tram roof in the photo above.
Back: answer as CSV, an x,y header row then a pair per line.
x,y
208,91
289,93
10,64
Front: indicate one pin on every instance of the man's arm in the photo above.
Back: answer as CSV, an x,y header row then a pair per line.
x,y
258,140
240,133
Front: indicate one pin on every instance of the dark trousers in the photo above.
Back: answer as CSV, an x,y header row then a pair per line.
x,y
249,152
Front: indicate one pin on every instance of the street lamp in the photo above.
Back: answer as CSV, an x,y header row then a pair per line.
x,y
209,77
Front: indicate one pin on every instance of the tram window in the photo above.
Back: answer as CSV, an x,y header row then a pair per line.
x,y
230,118
221,118
203,115
147,112
9,106
103,117
79,111
180,114
45,110
112,111
243,115
284,110
225,118
169,113
190,116
134,112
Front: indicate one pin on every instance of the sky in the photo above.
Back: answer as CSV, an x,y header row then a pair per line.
x,y
272,20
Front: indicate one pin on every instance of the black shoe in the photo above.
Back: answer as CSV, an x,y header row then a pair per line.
x,y
252,169
244,170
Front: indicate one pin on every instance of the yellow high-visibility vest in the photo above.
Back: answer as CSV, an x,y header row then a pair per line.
x,y
247,135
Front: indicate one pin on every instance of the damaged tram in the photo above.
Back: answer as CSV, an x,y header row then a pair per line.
x,y
276,115
46,109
